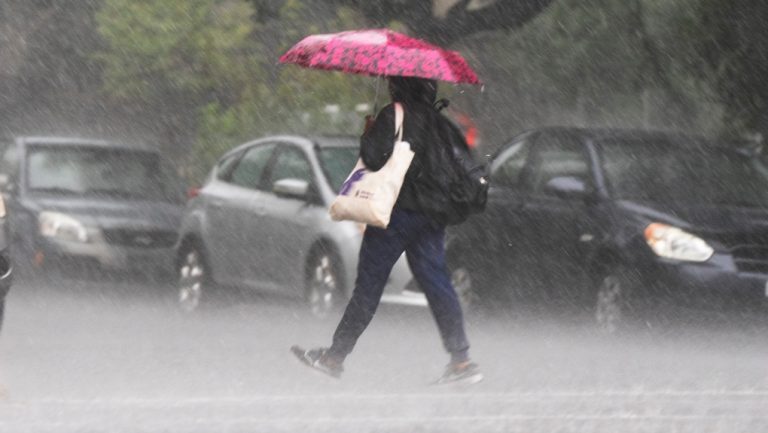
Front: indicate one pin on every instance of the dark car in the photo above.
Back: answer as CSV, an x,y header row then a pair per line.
x,y
261,221
619,219
80,204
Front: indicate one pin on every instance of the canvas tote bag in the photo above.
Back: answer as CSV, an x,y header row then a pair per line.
x,y
368,196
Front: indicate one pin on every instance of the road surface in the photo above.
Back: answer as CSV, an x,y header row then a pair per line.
x,y
119,357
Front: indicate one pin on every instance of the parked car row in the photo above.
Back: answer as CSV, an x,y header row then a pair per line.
x,y
260,221
612,220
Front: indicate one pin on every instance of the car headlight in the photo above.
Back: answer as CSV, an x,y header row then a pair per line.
x,y
673,243
61,226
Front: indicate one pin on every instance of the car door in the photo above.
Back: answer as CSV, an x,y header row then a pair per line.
x,y
502,222
230,206
558,228
288,223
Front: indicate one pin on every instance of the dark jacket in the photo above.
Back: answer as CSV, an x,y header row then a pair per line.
x,y
425,129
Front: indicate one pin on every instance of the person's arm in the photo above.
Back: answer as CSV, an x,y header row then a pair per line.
x,y
377,142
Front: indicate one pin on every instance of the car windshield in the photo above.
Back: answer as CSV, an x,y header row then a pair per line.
x,y
89,170
337,161
672,174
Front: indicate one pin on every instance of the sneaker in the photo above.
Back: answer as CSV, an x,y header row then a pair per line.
x,y
318,359
466,373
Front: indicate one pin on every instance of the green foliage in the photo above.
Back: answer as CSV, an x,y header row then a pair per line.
x,y
212,62
697,64
184,62
155,46
606,63
301,96
725,44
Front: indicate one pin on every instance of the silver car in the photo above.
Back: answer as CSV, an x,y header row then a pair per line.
x,y
261,221
77,205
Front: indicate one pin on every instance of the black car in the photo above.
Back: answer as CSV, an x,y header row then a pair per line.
x,y
618,219
80,204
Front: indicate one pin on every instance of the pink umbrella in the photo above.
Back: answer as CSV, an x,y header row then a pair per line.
x,y
380,52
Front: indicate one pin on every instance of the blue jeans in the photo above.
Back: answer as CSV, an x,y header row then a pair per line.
x,y
423,241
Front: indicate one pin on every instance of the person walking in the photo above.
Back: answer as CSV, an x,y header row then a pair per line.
x,y
417,227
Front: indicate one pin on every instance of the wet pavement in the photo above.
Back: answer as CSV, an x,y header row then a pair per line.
x,y
119,357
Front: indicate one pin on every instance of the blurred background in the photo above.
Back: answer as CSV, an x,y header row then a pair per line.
x,y
197,77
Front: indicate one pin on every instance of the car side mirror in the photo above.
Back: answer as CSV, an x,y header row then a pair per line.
x,y
293,188
567,187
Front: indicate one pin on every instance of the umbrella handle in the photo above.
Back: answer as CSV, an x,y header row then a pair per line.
x,y
369,118
376,95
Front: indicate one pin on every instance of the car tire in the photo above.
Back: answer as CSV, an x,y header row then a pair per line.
x,y
473,282
324,282
193,278
614,302
465,283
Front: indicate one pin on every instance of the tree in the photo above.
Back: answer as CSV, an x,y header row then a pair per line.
x,y
208,72
46,64
603,63
443,21
724,43
172,58
299,100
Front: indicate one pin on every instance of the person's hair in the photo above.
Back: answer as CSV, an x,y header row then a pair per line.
x,y
411,89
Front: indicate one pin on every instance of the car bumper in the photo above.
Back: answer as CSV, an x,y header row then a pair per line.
x,y
714,282
105,256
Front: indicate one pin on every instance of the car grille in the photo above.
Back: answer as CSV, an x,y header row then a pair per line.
x,y
749,249
140,238
751,258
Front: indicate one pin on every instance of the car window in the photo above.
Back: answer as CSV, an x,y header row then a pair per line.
x,y
88,170
670,173
291,163
556,156
507,168
250,168
337,162
226,166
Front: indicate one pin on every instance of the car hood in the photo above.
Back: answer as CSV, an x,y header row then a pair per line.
x,y
113,213
703,219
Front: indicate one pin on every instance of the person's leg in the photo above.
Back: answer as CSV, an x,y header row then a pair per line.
x,y
426,258
378,253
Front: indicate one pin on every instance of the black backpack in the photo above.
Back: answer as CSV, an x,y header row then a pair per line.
x,y
461,188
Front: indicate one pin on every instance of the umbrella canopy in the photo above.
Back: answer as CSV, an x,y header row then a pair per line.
x,y
380,52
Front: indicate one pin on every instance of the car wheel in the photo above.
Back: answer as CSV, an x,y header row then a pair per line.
x,y
193,279
324,288
613,303
465,285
